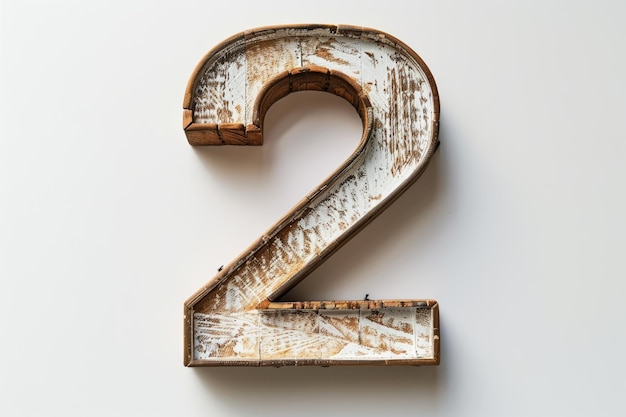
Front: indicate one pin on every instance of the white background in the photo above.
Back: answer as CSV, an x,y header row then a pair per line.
x,y
110,220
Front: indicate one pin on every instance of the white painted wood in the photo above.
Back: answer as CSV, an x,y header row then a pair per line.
x,y
230,321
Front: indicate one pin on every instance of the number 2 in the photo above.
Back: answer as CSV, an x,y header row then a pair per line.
x,y
235,318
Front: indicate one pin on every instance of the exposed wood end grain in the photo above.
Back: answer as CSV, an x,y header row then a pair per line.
x,y
254,135
212,134
202,134
232,133
187,118
343,86
311,78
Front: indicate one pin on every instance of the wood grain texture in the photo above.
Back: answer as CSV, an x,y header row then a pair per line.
x,y
234,319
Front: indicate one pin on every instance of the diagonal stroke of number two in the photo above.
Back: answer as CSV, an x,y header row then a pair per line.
x,y
235,318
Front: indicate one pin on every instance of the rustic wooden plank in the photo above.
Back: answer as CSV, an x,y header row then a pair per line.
x,y
234,320
318,333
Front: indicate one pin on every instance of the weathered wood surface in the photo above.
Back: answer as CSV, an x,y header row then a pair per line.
x,y
234,319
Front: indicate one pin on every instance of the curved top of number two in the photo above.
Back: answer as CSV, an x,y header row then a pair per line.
x,y
396,97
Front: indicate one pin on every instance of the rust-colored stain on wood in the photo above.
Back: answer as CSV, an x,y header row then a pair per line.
x,y
235,318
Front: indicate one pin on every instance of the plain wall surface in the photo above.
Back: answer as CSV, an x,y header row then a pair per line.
x,y
109,220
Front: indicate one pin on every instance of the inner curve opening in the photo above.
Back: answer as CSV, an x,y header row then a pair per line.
x,y
307,136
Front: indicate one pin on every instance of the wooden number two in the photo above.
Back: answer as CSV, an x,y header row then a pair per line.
x,y
236,319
